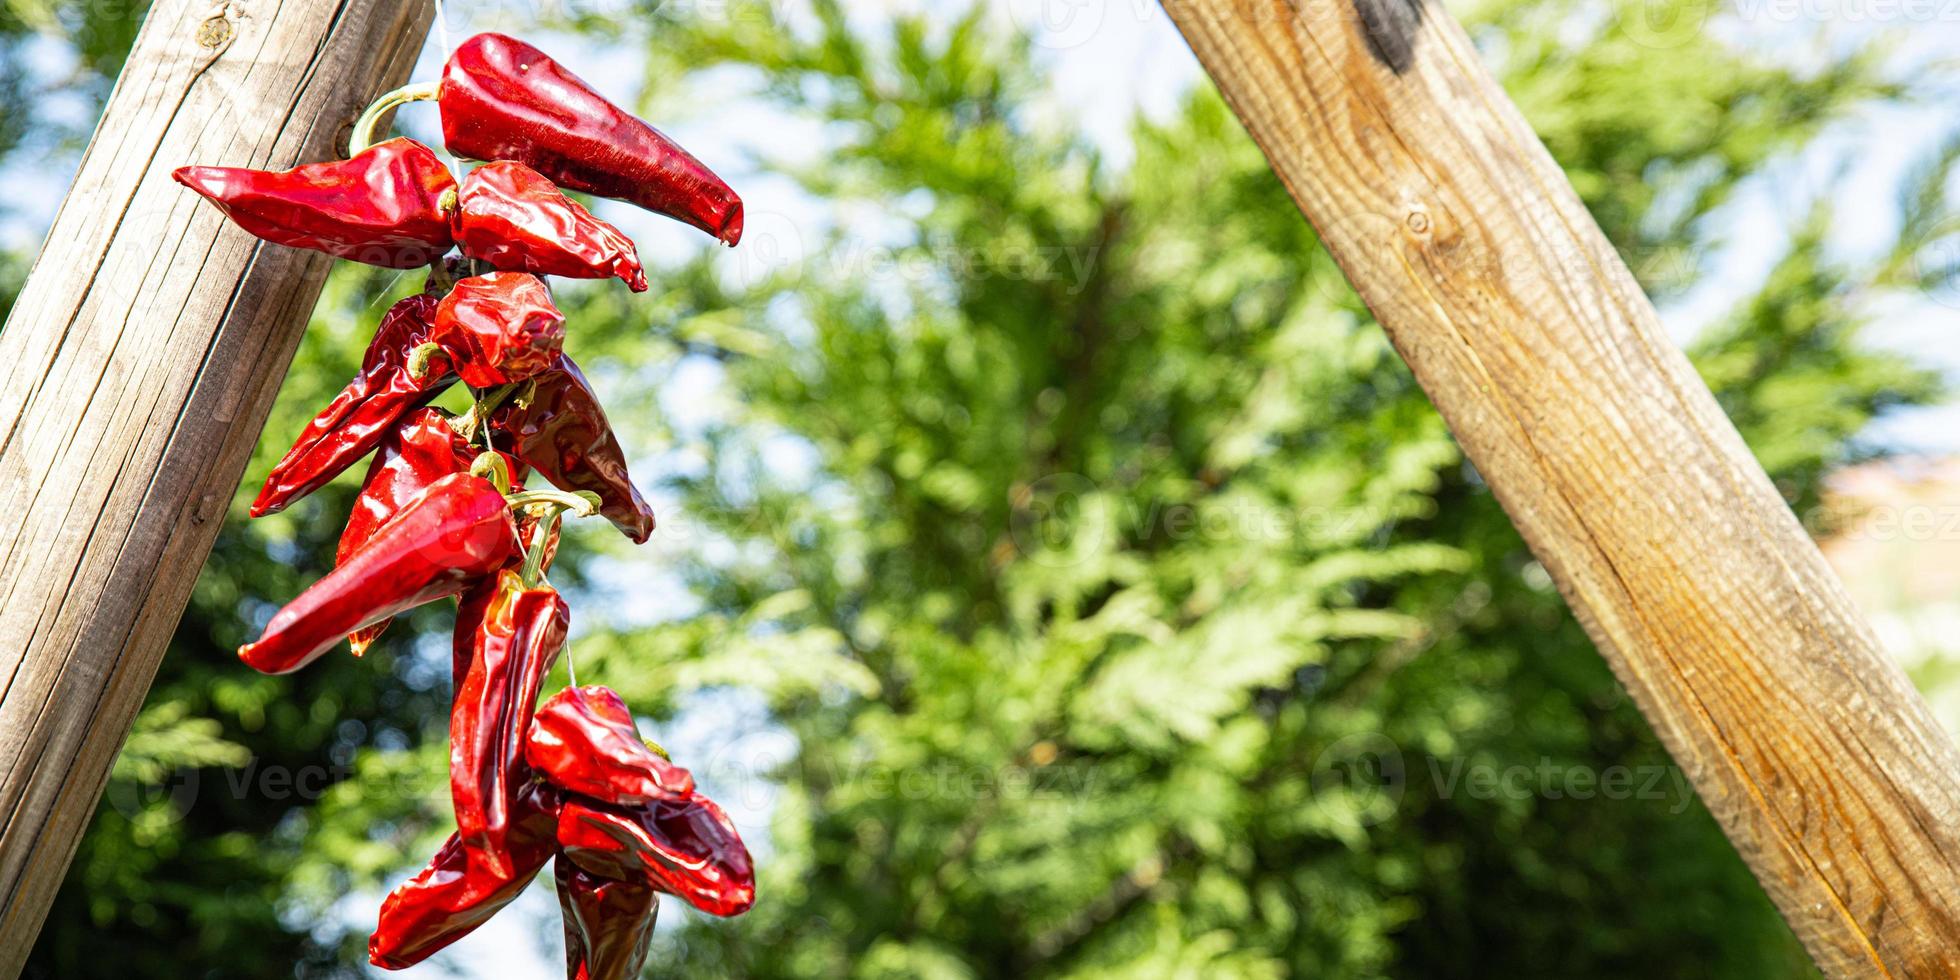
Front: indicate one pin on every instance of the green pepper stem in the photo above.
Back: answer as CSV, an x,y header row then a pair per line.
x,y
584,503
418,360
491,466
533,571
479,413
555,503
365,126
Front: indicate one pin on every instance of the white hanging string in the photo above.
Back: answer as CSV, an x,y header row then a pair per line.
x,y
442,31
443,46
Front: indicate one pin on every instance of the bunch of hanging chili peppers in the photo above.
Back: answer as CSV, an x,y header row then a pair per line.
x,y
444,510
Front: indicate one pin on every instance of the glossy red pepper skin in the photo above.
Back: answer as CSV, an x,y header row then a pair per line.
x,y
507,638
454,895
422,449
608,923
515,218
452,534
383,207
499,328
418,451
364,412
688,849
561,432
502,99
583,741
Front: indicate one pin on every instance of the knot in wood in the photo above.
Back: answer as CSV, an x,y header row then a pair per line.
x,y
215,32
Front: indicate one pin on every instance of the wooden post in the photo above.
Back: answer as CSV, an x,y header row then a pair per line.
x,y
1822,764
139,364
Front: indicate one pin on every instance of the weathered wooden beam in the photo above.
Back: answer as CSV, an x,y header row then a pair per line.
x,y
139,364
1822,764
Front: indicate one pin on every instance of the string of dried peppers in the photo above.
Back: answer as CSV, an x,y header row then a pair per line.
x,y
441,513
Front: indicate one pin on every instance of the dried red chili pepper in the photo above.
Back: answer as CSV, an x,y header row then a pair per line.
x,y
455,894
423,448
499,328
364,412
452,534
508,635
560,430
608,923
689,849
384,207
583,740
502,99
515,218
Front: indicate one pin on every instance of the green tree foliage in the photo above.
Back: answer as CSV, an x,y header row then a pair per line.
x,y
1134,614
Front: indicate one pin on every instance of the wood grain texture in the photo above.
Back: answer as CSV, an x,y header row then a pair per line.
x,y
139,364
1822,764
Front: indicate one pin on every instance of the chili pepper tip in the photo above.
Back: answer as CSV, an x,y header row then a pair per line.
x,y
198,179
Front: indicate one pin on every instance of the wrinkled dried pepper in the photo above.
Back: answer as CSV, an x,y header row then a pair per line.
x,y
455,893
560,431
502,99
612,863
608,923
687,849
515,218
508,635
449,536
584,741
418,451
385,206
423,448
364,412
499,328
